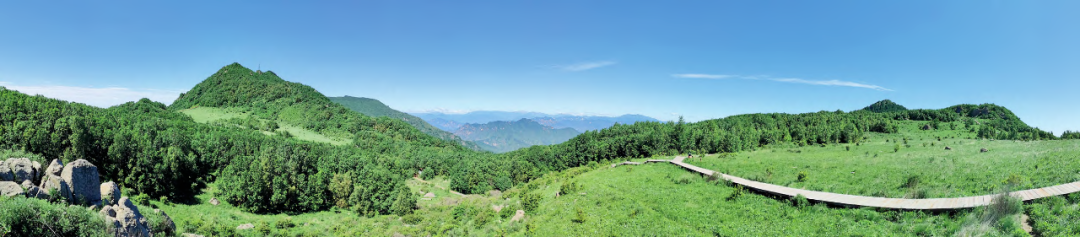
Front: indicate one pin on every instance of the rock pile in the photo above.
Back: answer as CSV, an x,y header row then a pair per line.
x,y
76,183
125,219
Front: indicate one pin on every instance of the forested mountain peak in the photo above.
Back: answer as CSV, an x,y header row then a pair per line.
x,y
269,97
884,106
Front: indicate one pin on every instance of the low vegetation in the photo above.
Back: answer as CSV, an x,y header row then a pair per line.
x,y
922,168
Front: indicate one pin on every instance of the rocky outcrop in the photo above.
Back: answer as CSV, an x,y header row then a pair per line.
x,y
37,170
33,191
5,172
245,226
125,219
983,150
54,182
82,178
214,201
110,193
21,169
166,222
10,189
55,167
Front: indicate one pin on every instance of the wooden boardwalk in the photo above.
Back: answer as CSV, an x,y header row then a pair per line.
x,y
880,202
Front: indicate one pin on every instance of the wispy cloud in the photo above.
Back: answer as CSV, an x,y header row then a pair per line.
x,y
832,83
577,67
701,76
788,80
100,97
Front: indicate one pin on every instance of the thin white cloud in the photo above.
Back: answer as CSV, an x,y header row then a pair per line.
x,y
701,76
788,80
832,83
577,67
100,97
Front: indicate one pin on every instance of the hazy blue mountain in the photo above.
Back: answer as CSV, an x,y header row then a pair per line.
x,y
452,122
375,108
504,136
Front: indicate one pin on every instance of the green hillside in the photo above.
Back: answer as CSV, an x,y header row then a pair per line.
x,y
375,108
504,136
884,106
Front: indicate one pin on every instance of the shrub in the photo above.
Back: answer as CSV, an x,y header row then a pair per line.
x,y
1074,198
1001,206
507,212
714,177
912,182
848,148
896,147
285,223
462,212
263,227
142,199
569,187
580,217
483,216
800,201
412,219
736,194
802,176
34,217
1013,180
683,180
530,201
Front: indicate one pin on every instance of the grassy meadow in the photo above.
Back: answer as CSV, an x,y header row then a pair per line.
x,y
910,164
665,200
237,117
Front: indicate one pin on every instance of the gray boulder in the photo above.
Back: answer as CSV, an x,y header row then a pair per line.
x,y
55,167
110,193
5,172
10,189
125,219
54,182
37,169
166,222
82,178
245,226
21,168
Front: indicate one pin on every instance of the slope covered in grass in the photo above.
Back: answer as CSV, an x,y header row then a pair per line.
x,y
665,200
912,163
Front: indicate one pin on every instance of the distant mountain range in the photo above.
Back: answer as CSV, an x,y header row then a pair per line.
x,y
504,136
451,122
375,108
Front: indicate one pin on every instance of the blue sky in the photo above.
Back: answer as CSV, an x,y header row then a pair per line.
x,y
698,59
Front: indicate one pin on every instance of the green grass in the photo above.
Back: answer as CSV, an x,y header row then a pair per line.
x,y
874,168
211,114
645,200
1055,216
665,200
434,216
